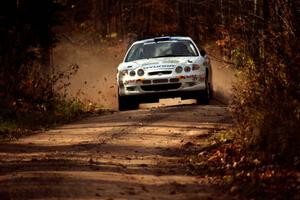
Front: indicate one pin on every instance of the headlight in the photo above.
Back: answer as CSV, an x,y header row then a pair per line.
x,y
178,69
196,67
132,73
140,72
187,69
124,72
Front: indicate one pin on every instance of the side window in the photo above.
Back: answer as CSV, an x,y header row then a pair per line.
x,y
134,53
192,49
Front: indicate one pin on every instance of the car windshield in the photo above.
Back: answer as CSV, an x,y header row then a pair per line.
x,y
172,48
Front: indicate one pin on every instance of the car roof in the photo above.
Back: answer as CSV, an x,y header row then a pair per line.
x,y
164,38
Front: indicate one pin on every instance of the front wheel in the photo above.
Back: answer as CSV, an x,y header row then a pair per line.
x,y
204,96
127,103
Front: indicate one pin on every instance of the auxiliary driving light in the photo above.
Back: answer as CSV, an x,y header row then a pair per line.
x,y
140,72
132,73
178,69
187,69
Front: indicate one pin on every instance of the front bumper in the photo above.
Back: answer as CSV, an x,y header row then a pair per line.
x,y
133,86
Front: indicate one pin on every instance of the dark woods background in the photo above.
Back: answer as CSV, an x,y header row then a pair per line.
x,y
259,37
29,29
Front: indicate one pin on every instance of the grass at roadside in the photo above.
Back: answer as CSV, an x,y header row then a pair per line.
x,y
19,121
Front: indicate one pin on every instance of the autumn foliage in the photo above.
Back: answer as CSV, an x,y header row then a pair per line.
x,y
265,104
260,38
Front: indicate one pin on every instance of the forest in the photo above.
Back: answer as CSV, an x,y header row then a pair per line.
x,y
259,39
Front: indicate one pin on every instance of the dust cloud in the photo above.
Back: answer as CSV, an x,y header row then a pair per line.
x,y
95,81
223,78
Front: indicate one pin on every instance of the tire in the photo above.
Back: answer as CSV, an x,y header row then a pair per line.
x,y
204,96
127,103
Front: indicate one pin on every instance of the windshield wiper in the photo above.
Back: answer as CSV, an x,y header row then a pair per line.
x,y
171,55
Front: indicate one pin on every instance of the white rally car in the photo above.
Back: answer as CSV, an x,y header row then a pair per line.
x,y
163,67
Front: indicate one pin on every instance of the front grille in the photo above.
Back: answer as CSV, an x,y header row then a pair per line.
x,y
174,80
160,81
161,87
146,81
159,73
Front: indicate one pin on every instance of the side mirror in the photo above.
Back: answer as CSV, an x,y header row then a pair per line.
x,y
202,52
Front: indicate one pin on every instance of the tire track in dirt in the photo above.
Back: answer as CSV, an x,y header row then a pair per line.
x,y
123,155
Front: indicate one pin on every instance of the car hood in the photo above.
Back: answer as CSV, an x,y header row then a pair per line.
x,y
159,63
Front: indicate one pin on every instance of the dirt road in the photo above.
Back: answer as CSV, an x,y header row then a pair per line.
x,y
122,155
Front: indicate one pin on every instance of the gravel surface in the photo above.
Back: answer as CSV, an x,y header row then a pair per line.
x,y
135,154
